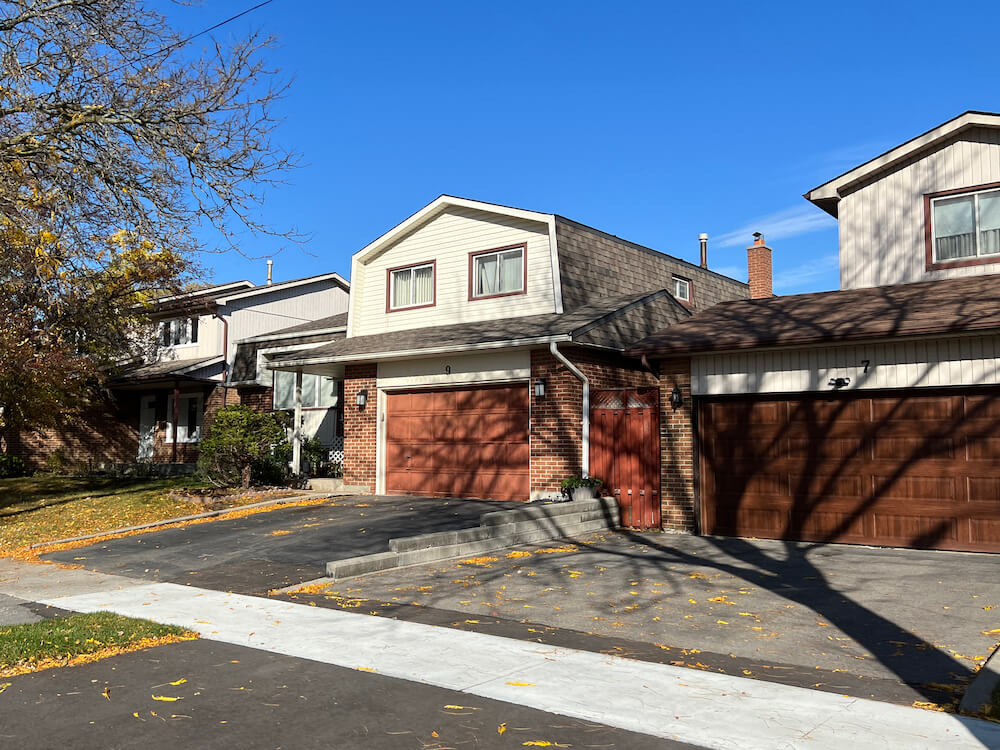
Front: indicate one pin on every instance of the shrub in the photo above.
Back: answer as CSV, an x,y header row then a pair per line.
x,y
56,462
575,482
315,457
244,447
11,466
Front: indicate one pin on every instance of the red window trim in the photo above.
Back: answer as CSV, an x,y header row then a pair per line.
x,y
690,300
929,262
388,286
523,246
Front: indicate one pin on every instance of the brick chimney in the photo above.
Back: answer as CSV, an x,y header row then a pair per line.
x,y
759,268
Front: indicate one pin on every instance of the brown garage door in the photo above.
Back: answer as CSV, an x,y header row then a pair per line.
x,y
912,469
469,442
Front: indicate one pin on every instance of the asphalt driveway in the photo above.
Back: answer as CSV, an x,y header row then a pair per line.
x,y
895,625
259,552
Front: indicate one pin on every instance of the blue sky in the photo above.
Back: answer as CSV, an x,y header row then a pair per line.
x,y
650,120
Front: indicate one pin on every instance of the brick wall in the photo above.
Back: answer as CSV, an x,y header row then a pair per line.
x,y
556,424
759,270
677,449
360,426
106,431
258,398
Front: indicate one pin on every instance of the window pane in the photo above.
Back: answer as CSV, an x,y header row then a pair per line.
x,y
512,271
423,285
486,275
191,420
165,333
308,391
954,228
681,289
327,392
401,288
989,223
284,389
194,330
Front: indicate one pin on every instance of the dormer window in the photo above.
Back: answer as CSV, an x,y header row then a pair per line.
x,y
179,332
498,272
682,288
965,227
411,287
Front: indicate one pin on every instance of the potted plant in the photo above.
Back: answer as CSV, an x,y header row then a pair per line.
x,y
580,488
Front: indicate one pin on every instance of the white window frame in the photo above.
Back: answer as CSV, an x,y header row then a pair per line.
x,y
413,287
317,405
185,433
975,228
177,326
499,253
687,287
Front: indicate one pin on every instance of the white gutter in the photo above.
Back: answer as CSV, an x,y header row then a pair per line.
x,y
585,462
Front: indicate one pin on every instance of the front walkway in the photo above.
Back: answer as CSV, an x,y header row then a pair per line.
x,y
702,708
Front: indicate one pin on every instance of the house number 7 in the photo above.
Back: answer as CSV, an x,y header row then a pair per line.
x,y
866,362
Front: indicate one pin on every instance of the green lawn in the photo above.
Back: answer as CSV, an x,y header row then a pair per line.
x,y
65,640
45,507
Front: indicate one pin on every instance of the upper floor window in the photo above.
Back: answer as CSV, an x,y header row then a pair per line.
x,y
682,288
318,391
966,227
497,272
179,332
189,418
411,286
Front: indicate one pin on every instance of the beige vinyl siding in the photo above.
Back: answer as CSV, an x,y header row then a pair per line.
x,y
448,239
489,367
957,360
282,308
882,223
209,342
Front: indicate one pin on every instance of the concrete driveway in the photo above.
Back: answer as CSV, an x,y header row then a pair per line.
x,y
278,548
895,625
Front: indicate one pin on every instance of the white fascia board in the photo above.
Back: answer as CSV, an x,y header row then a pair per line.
x,y
284,285
279,336
207,292
415,353
832,190
435,207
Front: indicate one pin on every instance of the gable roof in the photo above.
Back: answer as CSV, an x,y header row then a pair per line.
x,y
209,298
924,308
606,323
828,195
310,328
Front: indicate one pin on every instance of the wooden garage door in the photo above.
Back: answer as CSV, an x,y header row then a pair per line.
x,y
470,442
915,469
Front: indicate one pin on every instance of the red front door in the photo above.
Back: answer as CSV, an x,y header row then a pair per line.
x,y
625,452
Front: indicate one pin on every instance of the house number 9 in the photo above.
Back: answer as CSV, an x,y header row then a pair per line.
x,y
447,369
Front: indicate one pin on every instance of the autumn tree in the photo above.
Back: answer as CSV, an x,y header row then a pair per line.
x,y
121,142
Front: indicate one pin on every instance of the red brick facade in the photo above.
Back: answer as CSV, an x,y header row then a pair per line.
x,y
360,426
556,420
677,447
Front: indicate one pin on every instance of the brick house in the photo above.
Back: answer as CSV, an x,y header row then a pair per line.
x,y
156,410
866,415
483,354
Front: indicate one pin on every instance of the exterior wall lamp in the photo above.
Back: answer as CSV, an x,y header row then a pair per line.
x,y
539,387
676,398
362,398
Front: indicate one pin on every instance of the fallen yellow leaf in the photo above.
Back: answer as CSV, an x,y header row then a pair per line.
x,y
501,728
522,684
167,698
181,681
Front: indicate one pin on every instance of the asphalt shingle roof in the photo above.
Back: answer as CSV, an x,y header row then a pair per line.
x,y
922,308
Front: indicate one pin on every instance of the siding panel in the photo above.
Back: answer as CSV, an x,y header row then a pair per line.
x,y
882,222
968,360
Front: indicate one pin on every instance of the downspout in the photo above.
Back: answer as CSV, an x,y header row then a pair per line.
x,y
225,355
585,416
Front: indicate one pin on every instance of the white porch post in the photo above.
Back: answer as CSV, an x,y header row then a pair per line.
x,y
297,429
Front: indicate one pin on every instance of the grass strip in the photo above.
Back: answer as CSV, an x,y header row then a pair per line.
x,y
79,639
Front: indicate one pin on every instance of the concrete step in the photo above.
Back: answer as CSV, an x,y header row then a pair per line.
x,y
550,510
332,484
507,529
551,527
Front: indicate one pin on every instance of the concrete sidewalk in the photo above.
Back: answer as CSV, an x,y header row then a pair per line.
x,y
701,708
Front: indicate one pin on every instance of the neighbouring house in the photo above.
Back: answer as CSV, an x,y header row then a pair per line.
x,y
483,354
156,410
867,415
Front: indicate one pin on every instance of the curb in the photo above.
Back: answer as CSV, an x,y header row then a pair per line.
x,y
183,519
980,692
